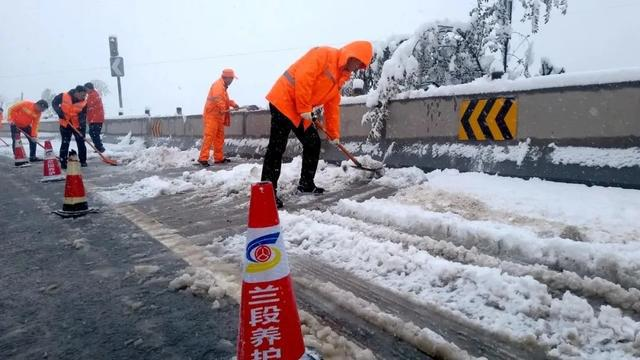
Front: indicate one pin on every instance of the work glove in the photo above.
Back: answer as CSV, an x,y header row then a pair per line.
x,y
236,107
335,141
307,116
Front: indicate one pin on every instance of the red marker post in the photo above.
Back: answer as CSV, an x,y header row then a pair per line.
x,y
269,322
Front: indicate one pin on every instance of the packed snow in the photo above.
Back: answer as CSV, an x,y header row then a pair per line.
x,y
515,257
595,157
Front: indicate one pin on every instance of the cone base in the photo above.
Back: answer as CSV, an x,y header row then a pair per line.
x,y
52,178
22,164
75,214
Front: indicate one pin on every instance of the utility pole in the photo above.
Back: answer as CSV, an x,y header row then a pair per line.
x,y
508,8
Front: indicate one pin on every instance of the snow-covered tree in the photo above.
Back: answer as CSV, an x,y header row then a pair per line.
x,y
547,68
101,87
48,95
446,53
492,19
437,54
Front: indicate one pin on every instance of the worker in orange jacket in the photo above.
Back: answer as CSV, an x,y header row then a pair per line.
x,y
71,108
95,115
215,117
25,115
314,80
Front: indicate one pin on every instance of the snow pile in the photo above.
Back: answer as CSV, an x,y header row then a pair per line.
x,y
595,157
160,157
125,149
259,144
481,154
495,153
352,100
372,149
603,214
401,177
615,262
518,307
488,86
148,187
423,339
200,282
237,181
560,281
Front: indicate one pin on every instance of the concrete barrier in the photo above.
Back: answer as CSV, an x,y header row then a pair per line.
x,y
597,119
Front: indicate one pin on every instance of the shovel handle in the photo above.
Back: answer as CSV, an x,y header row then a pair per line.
x,y
340,147
30,137
104,158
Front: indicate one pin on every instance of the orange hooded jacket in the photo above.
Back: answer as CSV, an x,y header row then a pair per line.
x,y
23,114
216,109
316,79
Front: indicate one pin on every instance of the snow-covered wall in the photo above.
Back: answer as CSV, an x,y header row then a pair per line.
x,y
595,111
598,126
572,113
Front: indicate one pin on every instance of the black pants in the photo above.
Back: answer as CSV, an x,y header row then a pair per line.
x,y
281,127
66,133
94,132
32,144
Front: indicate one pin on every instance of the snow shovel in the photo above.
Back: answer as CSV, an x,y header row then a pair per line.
x,y
378,172
34,140
103,157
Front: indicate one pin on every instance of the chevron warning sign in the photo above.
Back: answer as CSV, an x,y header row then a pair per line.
x,y
488,119
156,128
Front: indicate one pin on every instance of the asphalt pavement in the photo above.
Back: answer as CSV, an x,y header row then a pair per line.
x,y
70,289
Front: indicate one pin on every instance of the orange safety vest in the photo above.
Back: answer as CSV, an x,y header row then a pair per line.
x,y
315,80
71,111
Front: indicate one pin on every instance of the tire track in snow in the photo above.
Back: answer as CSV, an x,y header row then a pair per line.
x,y
506,242
610,293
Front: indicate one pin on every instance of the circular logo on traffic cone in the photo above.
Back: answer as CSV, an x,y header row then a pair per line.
x,y
269,322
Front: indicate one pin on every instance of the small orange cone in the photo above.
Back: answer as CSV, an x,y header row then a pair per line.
x,y
75,199
269,322
19,156
51,171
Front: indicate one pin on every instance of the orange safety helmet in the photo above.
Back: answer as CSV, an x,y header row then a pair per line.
x,y
229,73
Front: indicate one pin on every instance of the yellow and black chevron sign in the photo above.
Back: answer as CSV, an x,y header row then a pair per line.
x,y
488,119
156,128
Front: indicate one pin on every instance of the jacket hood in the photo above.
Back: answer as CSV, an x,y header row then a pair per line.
x,y
361,50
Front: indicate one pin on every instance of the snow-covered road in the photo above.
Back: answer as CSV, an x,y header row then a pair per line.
x,y
538,264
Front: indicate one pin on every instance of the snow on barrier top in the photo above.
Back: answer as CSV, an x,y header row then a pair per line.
x,y
487,86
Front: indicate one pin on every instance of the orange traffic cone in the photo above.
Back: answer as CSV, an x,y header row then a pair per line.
x,y
269,323
51,171
75,200
19,156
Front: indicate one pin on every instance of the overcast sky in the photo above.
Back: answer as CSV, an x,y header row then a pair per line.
x,y
174,50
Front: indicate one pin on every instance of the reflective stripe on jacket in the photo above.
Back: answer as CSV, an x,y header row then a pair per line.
x,y
315,80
